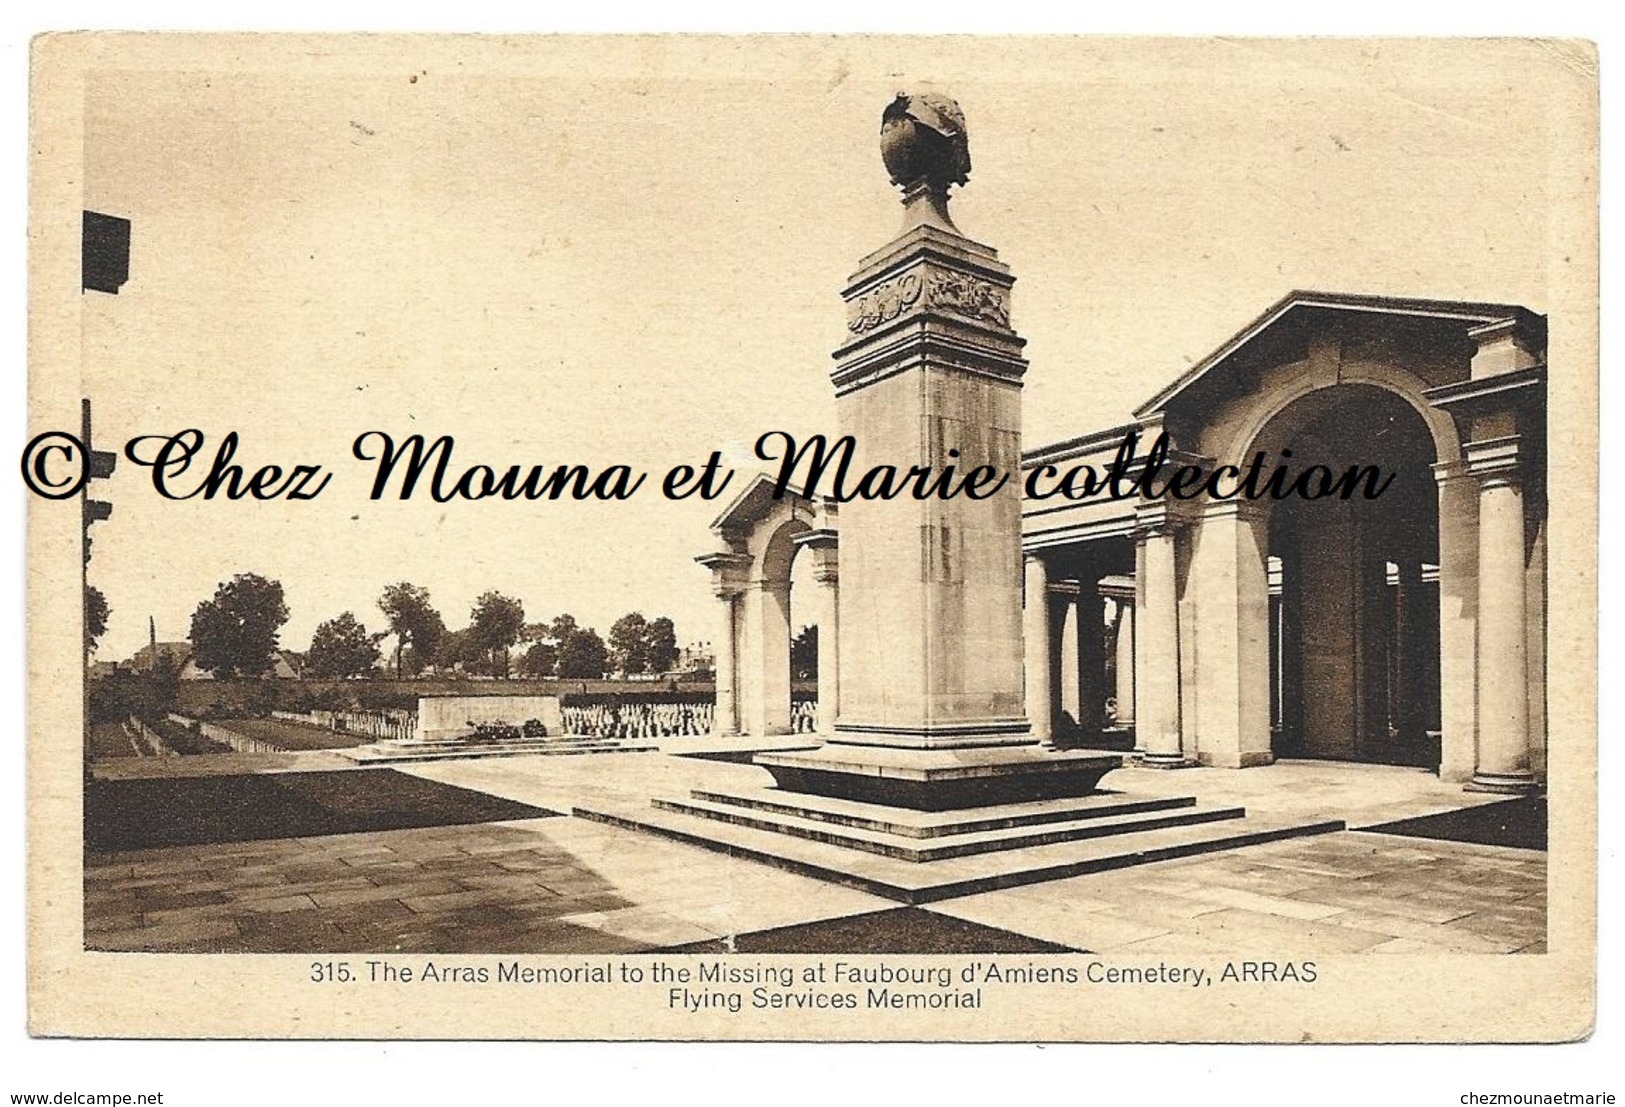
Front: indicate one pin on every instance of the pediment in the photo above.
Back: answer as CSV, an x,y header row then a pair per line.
x,y
1288,322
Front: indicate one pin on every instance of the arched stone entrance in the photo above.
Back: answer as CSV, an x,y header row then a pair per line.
x,y
1354,628
751,578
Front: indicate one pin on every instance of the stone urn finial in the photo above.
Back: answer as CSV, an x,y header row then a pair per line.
x,y
924,145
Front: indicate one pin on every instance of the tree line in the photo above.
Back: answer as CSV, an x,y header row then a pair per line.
x,y
235,634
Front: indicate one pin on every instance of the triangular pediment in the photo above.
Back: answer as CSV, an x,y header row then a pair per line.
x,y
1300,309
755,502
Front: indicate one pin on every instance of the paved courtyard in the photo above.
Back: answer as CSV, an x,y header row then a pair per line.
x,y
567,885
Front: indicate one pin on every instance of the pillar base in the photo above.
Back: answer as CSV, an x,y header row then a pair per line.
x,y
1506,784
1167,761
939,779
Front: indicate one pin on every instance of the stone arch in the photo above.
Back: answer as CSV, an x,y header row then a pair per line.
x,y
1336,589
762,536
1264,429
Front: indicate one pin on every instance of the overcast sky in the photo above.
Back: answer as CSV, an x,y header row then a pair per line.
x,y
634,255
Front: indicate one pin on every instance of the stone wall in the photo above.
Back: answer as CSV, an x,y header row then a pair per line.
x,y
444,716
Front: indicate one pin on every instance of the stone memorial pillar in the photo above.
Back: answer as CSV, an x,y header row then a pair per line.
x,y
933,712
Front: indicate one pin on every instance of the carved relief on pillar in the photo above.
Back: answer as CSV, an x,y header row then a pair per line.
x,y
930,288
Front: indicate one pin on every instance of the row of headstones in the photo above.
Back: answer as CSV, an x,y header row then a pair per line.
x,y
395,726
642,720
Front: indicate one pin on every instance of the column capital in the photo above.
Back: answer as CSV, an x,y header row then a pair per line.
x,y
1119,588
1157,517
820,538
1248,511
823,546
728,569
1147,529
1494,461
1449,472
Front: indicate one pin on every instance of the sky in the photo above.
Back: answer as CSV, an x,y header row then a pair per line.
x,y
564,253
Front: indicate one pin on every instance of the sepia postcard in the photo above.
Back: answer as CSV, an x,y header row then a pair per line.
x,y
812,538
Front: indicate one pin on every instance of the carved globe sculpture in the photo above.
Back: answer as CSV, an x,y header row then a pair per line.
x,y
923,142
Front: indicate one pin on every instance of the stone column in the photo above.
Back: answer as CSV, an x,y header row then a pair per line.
x,y
728,569
765,689
822,547
1229,586
727,663
1125,662
1090,670
1068,624
1039,654
1157,678
1408,665
1503,685
1458,621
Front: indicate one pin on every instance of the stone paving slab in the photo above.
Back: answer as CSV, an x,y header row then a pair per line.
x,y
1460,900
565,885
579,890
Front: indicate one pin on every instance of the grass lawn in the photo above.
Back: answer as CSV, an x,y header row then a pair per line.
x,y
109,740
293,736
190,811
1520,823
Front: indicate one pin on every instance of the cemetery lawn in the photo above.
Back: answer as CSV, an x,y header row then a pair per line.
x,y
199,810
293,736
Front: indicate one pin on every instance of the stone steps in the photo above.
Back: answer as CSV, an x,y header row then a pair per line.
x,y
915,882
933,824
963,843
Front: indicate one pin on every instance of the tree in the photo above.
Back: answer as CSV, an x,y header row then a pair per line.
x,y
414,622
235,633
96,615
341,647
451,650
540,660
628,644
660,645
424,648
804,654
583,655
494,627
